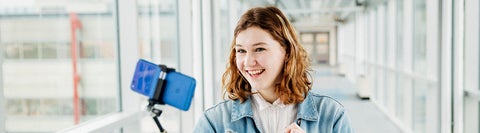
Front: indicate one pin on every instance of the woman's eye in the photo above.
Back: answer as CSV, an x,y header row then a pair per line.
x,y
241,51
259,49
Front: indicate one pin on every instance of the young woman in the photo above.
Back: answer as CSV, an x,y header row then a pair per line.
x,y
268,84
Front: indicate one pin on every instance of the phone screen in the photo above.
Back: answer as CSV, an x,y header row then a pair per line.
x,y
145,78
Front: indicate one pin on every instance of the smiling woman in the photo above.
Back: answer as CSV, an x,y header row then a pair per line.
x,y
268,85
254,49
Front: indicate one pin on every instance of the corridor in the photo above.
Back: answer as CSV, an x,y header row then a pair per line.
x,y
366,117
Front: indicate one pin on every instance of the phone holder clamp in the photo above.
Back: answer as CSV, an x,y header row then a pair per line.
x,y
155,112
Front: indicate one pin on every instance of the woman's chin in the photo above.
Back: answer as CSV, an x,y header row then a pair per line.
x,y
256,87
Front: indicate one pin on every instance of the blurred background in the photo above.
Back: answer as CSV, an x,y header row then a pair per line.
x,y
396,65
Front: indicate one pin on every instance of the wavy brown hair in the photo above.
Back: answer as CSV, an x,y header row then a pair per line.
x,y
296,81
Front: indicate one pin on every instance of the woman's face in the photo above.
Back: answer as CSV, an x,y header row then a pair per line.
x,y
259,58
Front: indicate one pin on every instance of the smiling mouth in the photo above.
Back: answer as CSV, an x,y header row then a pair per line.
x,y
255,72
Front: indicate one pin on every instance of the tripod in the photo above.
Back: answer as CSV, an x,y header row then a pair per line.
x,y
155,113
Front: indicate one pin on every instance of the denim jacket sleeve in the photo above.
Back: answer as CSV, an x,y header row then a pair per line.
x,y
342,124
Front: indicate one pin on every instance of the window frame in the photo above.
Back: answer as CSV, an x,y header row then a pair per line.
x,y
125,16
471,92
2,96
129,116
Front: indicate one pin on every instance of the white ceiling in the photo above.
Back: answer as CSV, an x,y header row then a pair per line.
x,y
311,12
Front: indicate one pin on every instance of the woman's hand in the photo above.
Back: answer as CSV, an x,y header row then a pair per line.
x,y
294,128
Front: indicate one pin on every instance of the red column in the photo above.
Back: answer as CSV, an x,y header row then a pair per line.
x,y
75,26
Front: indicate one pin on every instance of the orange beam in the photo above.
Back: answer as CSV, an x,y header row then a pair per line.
x,y
75,26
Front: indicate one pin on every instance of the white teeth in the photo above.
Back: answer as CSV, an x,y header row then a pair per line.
x,y
255,71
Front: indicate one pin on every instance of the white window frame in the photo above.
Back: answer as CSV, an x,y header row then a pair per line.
x,y
207,49
446,67
458,65
407,68
2,96
392,55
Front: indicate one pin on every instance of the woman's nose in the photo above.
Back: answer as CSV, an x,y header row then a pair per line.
x,y
250,60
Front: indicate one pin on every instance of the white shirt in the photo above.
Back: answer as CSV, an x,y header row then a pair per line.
x,y
273,118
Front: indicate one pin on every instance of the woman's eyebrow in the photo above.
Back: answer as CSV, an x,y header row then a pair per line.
x,y
255,44
259,44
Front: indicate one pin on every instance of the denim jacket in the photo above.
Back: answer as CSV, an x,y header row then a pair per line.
x,y
316,114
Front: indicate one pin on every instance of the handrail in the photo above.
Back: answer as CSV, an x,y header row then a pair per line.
x,y
108,123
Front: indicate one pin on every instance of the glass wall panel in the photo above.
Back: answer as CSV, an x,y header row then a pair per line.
x,y
399,57
223,35
419,105
372,34
323,48
54,53
158,42
419,38
472,67
158,31
317,46
419,65
307,40
400,95
385,55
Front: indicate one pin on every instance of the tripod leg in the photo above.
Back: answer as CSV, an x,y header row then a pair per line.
x,y
159,125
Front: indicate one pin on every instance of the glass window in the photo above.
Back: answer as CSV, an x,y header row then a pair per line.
x,y
419,105
158,35
419,65
307,41
12,50
48,51
317,46
306,38
223,35
322,48
30,51
399,56
385,55
43,83
471,56
419,38
157,25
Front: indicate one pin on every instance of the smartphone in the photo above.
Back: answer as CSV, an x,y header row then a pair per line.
x,y
145,78
168,87
178,90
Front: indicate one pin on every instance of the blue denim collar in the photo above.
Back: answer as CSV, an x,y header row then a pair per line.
x,y
241,110
307,110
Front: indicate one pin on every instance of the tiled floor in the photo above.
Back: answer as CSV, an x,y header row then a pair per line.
x,y
365,115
